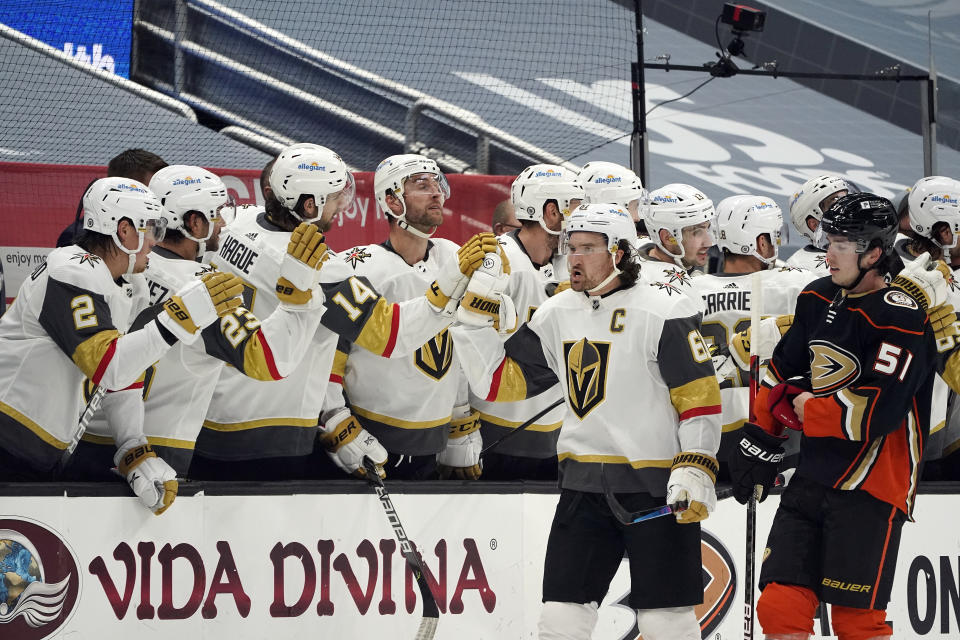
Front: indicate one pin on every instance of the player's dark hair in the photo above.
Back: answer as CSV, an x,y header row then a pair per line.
x,y
137,164
278,214
174,236
629,265
101,244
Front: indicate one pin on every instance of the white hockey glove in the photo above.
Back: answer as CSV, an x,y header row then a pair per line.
x,y
451,282
484,304
771,330
925,281
152,480
723,362
460,460
347,443
200,303
691,486
300,269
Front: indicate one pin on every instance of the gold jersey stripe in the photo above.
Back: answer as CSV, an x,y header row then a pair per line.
x,y
636,464
32,426
733,426
377,330
942,424
256,424
951,370
856,405
509,424
172,443
511,386
89,353
702,392
397,422
339,367
255,363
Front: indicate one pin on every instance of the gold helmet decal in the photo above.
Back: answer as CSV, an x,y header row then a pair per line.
x,y
586,374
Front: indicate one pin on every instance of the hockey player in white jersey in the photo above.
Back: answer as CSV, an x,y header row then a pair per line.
x,y
536,268
68,322
806,209
643,416
749,231
178,388
431,426
679,219
609,182
933,204
267,430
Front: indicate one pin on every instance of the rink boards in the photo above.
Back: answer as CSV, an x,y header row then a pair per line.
x,y
327,566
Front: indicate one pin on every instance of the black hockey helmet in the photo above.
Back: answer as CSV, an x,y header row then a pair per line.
x,y
866,218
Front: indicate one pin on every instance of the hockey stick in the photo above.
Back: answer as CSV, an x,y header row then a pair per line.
x,y
522,427
633,517
431,614
749,596
93,405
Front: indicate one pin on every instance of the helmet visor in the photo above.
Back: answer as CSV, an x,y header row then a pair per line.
x,y
226,211
155,229
838,243
428,183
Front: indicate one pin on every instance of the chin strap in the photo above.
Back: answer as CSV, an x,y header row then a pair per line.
x,y
131,254
608,279
403,224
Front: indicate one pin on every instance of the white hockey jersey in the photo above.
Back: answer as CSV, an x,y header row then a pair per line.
x,y
178,388
637,378
250,419
811,259
725,300
64,326
405,402
528,290
669,274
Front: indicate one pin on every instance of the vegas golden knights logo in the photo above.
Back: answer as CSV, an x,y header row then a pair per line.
x,y
831,368
586,374
434,358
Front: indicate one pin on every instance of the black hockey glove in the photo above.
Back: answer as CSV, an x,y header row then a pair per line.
x,y
758,455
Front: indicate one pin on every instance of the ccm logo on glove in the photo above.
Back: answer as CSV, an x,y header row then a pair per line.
x,y
750,450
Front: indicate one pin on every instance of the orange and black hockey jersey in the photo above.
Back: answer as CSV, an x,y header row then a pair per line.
x,y
870,360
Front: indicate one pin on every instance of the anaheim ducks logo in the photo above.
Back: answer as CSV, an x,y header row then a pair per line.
x,y
586,374
434,358
831,367
719,585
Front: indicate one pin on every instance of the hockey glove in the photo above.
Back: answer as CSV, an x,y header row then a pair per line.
x,y
943,321
347,443
300,269
925,281
723,363
690,489
780,402
769,334
484,303
152,480
448,288
199,304
755,462
554,288
460,460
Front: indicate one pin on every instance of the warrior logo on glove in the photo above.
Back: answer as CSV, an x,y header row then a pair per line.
x,y
586,374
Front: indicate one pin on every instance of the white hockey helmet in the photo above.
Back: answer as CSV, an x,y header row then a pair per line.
x,y
308,170
806,201
390,176
185,188
935,199
108,200
674,207
740,219
611,182
610,219
540,183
